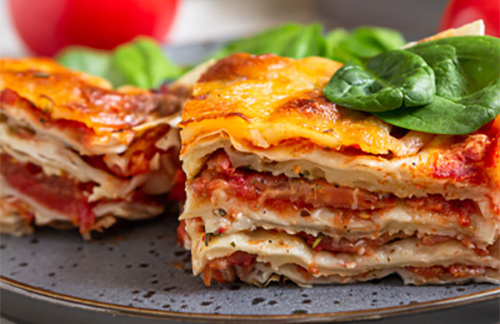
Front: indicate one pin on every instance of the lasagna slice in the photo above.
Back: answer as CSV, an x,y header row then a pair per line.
x,y
283,184
74,152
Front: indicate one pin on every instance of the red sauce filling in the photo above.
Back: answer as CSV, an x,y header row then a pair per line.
x,y
279,191
456,270
139,154
366,246
260,189
217,268
59,194
182,234
344,245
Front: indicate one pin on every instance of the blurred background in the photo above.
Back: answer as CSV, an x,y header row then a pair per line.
x,y
190,22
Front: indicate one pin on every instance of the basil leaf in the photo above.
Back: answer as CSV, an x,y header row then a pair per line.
x,y
290,40
386,82
139,63
386,39
85,60
467,71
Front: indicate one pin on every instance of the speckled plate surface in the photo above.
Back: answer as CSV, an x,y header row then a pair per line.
x,y
138,268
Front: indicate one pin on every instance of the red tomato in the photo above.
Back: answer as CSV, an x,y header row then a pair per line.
x,y
461,12
46,26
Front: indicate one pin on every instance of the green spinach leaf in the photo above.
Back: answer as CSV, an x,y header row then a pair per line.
x,y
85,60
386,82
290,40
467,72
332,40
308,42
298,41
140,63
363,43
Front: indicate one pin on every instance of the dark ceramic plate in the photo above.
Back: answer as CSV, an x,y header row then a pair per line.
x,y
136,273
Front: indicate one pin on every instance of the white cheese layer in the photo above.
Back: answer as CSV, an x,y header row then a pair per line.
x,y
55,158
262,275
403,177
280,249
400,218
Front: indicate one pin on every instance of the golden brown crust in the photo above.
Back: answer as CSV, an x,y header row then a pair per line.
x,y
65,94
263,95
281,99
84,108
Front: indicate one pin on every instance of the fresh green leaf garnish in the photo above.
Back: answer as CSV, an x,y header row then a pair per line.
x,y
291,40
298,41
308,42
387,82
332,41
467,71
362,43
85,59
269,41
140,63
396,87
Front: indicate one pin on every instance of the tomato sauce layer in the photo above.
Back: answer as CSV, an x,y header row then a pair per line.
x,y
57,193
216,269
367,246
262,189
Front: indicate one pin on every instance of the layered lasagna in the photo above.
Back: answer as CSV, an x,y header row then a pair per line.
x,y
284,184
76,153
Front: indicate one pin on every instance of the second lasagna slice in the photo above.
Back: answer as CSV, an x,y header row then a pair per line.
x,y
285,184
74,152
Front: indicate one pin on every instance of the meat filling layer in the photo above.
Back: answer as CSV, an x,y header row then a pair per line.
x,y
260,190
220,269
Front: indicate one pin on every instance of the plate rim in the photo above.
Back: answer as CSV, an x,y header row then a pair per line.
x,y
64,300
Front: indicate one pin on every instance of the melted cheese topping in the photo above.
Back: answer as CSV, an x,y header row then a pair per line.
x,y
69,95
82,110
264,100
